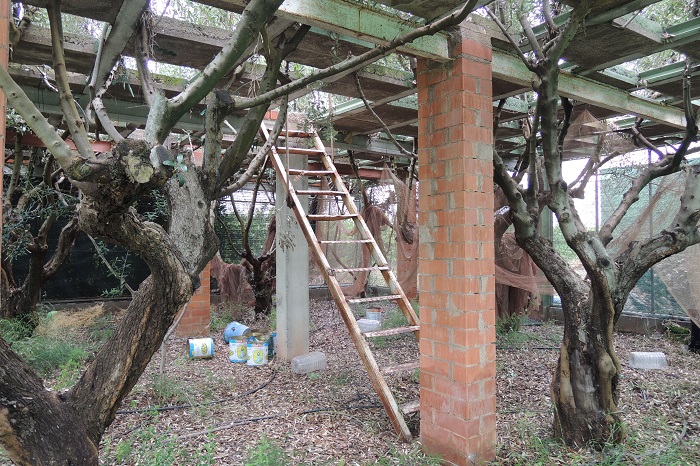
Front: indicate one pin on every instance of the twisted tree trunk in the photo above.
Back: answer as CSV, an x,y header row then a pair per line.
x,y
584,387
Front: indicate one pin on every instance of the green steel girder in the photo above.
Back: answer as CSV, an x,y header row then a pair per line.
x,y
511,68
121,112
597,18
354,20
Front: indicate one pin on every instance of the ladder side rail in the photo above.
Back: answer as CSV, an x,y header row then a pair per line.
x,y
378,381
376,253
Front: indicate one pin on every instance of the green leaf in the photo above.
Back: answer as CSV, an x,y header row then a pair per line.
x,y
169,163
181,180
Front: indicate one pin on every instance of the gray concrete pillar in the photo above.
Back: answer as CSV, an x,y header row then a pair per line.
x,y
292,271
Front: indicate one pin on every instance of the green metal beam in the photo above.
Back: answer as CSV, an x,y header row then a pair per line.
x,y
354,20
121,112
510,68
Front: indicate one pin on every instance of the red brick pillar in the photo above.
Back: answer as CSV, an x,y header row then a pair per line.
x,y
198,315
456,266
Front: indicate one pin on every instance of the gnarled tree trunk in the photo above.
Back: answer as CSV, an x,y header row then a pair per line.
x,y
584,387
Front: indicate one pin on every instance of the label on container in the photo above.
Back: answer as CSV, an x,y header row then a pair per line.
x,y
257,353
200,348
238,349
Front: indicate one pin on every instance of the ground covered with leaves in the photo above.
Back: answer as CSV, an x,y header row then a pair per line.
x,y
214,412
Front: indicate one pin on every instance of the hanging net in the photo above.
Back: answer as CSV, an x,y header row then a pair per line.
x,y
673,286
390,217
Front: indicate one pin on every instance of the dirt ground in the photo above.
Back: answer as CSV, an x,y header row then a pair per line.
x,y
216,412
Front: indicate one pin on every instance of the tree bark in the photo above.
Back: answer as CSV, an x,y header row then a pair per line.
x,y
35,426
584,387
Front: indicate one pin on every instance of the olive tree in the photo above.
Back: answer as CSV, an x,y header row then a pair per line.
x,y
38,426
584,388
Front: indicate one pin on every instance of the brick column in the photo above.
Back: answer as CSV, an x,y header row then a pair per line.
x,y
198,317
456,266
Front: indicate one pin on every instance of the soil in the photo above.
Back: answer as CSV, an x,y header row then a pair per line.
x,y
226,410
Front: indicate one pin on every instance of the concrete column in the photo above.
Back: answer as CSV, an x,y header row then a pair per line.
x,y
292,271
456,265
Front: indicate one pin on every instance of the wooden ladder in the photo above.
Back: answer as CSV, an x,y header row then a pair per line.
x,y
396,413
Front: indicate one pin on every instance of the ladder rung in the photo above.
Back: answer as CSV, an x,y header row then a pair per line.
x,y
410,407
319,192
375,299
361,269
296,133
299,151
392,331
345,241
408,366
296,171
331,217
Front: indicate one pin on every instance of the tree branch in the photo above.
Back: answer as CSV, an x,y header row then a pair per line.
x,y
354,63
70,112
36,121
387,131
254,17
261,156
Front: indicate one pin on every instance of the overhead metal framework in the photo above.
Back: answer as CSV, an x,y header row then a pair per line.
x,y
593,73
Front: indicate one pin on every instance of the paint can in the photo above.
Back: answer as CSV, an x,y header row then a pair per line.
x,y
200,348
258,350
238,349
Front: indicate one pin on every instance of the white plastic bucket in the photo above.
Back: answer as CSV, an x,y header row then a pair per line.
x,y
200,348
238,349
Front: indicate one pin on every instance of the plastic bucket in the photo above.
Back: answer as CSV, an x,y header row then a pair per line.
x,y
235,329
200,348
238,349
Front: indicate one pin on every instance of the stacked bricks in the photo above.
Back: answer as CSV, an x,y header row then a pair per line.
x,y
197,316
456,266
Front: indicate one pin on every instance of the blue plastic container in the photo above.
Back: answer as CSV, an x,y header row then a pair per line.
x,y
235,329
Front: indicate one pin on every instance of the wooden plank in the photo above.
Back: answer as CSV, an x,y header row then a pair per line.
x,y
374,299
392,331
345,241
296,171
408,366
298,151
319,192
510,68
360,269
332,217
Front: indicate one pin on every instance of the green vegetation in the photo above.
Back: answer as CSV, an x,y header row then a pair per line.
x,y
414,457
151,448
45,354
267,453
510,324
